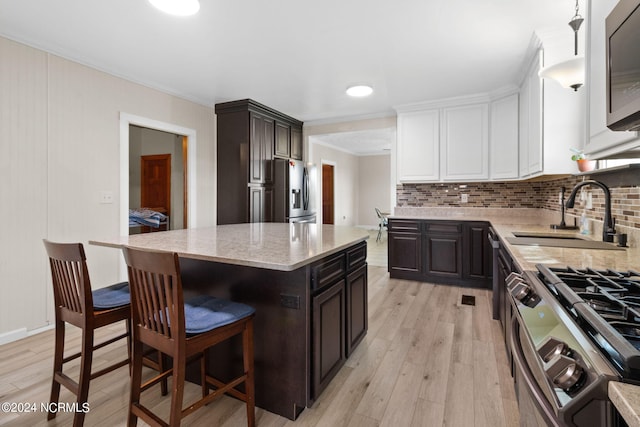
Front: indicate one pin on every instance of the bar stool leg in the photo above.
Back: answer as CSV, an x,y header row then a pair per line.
x,y
136,382
177,392
85,375
57,367
247,353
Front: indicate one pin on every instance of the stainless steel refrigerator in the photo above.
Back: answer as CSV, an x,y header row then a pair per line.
x,y
294,191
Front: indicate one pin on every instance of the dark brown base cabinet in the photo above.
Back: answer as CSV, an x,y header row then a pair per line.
x,y
505,266
454,252
339,313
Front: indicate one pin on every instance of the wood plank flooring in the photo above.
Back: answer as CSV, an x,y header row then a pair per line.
x,y
427,360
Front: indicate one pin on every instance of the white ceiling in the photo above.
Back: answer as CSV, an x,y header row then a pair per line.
x,y
297,56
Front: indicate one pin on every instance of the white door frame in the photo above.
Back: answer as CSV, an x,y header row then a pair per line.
x,y
129,119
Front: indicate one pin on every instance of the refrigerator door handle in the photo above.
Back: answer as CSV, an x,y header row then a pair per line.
x,y
305,189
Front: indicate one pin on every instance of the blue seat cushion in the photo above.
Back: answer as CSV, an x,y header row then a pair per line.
x,y
112,296
204,313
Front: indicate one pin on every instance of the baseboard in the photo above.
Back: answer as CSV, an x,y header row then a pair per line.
x,y
21,333
11,336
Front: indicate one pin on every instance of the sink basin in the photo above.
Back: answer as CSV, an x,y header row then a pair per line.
x,y
560,242
546,235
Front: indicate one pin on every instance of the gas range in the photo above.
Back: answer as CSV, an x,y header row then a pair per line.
x,y
606,306
566,344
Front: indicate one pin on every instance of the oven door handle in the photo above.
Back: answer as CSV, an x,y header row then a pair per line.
x,y
518,356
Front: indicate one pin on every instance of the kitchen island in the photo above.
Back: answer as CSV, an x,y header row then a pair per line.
x,y
308,284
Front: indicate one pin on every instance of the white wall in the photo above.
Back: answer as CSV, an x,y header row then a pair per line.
x,y
374,178
368,184
60,129
346,182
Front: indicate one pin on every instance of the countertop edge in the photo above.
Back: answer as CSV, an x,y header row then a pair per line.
x,y
626,399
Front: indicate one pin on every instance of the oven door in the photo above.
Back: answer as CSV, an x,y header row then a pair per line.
x,y
535,409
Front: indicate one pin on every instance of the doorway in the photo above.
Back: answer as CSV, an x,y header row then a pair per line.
x,y
328,202
157,177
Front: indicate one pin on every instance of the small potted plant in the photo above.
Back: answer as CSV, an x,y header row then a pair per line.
x,y
584,164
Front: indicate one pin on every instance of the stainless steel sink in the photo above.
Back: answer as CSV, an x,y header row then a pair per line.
x,y
546,235
534,239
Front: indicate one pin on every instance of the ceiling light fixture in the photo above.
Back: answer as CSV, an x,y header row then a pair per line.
x,y
359,91
570,73
177,7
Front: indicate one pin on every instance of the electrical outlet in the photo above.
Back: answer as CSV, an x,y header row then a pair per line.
x,y
464,198
589,204
106,197
290,301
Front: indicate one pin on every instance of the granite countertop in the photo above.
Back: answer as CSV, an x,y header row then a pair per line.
x,y
275,246
626,397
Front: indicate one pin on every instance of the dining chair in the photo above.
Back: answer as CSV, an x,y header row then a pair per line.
x,y
183,330
382,223
78,305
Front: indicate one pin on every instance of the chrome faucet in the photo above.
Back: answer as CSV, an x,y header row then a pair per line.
x,y
609,226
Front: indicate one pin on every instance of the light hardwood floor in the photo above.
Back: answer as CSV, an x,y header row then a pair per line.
x,y
427,360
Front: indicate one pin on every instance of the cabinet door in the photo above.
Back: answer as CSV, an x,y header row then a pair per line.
x,y
283,140
418,146
444,255
465,142
405,254
531,120
478,252
357,313
328,336
260,204
296,143
503,154
261,150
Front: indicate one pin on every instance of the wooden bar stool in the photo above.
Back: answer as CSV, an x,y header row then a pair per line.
x,y
182,330
76,304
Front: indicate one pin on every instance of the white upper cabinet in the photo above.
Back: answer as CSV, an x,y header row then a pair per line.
x,y
465,143
503,131
601,141
418,150
530,158
448,140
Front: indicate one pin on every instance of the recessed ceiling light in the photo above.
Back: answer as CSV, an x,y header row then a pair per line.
x,y
359,91
177,7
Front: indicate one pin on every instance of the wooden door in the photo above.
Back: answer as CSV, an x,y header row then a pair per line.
x,y
155,188
328,206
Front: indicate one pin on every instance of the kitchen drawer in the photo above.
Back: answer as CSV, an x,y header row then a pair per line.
x,y
404,226
328,271
440,227
357,256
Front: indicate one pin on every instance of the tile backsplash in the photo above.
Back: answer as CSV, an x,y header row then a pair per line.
x,y
523,194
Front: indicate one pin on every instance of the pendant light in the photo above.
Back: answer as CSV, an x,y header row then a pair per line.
x,y
177,7
570,73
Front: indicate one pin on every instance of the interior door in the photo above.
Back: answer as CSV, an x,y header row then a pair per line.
x,y
155,186
327,195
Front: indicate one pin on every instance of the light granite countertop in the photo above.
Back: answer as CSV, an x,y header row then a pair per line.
x,y
275,246
626,397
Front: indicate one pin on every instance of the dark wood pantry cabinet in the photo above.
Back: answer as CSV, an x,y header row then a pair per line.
x,y
249,137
